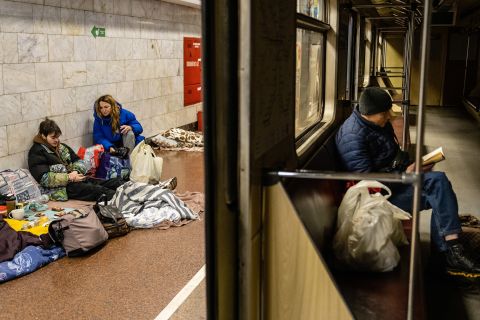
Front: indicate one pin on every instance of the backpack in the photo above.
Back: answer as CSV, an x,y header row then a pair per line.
x,y
111,219
78,232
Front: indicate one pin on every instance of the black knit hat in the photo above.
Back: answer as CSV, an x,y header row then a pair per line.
x,y
374,100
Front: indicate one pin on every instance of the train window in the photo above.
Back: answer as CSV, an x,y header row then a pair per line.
x,y
310,66
309,80
312,8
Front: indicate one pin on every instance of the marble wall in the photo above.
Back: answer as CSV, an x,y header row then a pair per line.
x,y
51,65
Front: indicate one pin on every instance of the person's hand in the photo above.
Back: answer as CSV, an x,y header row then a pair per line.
x,y
125,128
72,176
112,149
426,168
81,177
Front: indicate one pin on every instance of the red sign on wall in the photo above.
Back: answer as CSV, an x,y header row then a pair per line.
x,y
192,71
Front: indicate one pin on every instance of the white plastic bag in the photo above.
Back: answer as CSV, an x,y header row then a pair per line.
x,y
146,166
368,229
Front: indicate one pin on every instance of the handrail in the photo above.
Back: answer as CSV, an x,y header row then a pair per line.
x,y
405,178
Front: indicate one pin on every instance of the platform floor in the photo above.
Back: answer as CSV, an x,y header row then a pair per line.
x,y
132,277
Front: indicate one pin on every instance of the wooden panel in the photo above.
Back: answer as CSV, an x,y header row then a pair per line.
x,y
298,284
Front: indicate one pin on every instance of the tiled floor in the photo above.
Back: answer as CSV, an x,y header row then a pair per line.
x,y
132,277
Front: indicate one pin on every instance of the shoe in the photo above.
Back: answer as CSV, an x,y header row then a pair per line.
x,y
458,263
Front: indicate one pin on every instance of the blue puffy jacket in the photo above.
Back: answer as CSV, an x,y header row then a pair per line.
x,y
364,146
102,129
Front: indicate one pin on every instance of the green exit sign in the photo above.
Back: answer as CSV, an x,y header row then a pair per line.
x,y
98,32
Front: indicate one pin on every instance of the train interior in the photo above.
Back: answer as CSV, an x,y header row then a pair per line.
x,y
278,79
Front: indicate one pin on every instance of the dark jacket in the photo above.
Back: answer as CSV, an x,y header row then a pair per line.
x,y
366,147
102,129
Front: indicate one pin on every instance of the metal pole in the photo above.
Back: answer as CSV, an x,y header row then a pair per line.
x,y
348,86
404,178
418,156
466,65
406,96
358,42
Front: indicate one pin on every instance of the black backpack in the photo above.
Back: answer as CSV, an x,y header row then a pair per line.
x,y
111,218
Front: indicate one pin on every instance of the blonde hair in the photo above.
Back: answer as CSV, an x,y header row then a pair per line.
x,y
114,115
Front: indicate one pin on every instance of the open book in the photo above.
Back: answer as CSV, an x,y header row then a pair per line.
x,y
435,156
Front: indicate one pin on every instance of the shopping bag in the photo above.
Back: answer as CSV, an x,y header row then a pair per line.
x,y
113,167
368,229
91,156
146,166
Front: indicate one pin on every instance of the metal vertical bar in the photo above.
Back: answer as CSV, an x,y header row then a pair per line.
x,y
348,86
406,96
373,52
418,156
358,42
466,65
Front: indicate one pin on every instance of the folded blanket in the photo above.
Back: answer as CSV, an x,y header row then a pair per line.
x,y
28,260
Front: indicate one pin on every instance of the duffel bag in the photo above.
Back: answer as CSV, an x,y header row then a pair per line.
x,y
111,218
78,232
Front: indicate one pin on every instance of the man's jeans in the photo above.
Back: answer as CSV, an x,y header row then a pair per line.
x,y
438,195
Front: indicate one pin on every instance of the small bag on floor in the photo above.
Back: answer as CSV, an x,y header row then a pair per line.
x,y
113,167
78,232
146,166
111,218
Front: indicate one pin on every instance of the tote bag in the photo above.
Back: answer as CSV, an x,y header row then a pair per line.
x,y
113,167
146,166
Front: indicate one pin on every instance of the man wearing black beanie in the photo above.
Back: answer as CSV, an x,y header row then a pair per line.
x,y
366,142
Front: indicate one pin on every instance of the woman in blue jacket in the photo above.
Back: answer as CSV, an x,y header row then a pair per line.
x,y
114,126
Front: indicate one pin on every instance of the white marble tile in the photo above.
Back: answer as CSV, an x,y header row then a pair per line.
x,y
108,88
60,48
32,48
153,49
105,6
132,27
1,77
11,109
170,121
49,75
84,48
30,1
141,8
173,67
35,105
3,141
133,70
157,124
167,86
147,127
62,101
125,92
116,71
72,22
13,161
94,19
78,124
158,106
124,49
96,72
8,48
174,102
186,116
78,4
148,69
154,88
20,136
167,49
16,17
46,20
140,90
140,48
60,121
178,85
83,141
18,77
147,29
122,7
177,49
85,97
53,3
169,30
185,14
74,74
115,26
156,10
167,11
106,49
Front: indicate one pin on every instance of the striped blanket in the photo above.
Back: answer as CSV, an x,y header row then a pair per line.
x,y
147,206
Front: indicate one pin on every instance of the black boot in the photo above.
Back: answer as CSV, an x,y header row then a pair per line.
x,y
458,262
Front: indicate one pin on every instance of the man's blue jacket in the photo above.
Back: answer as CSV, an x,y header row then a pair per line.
x,y
364,146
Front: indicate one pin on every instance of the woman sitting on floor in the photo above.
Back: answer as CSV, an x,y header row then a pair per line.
x,y
115,127
57,168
